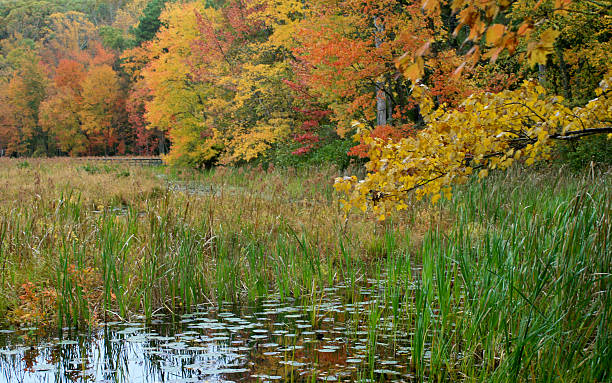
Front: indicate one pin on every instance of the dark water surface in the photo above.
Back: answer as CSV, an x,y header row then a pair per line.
x,y
273,341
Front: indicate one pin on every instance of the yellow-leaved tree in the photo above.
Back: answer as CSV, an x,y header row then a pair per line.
x,y
488,130
216,81
176,103
100,98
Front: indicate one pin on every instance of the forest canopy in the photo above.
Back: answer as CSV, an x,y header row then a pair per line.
x,y
424,92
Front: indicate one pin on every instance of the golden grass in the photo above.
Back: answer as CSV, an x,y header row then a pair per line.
x,y
244,206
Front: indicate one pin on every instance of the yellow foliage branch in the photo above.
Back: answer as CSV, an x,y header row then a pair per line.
x,y
488,131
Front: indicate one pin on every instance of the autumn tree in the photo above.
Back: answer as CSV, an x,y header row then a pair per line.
x,y
51,52
346,54
22,93
28,19
251,107
176,101
59,115
216,86
69,35
101,97
59,112
489,130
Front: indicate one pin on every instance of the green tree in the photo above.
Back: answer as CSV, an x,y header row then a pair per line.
x,y
149,23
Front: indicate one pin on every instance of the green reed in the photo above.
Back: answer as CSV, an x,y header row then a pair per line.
x,y
517,287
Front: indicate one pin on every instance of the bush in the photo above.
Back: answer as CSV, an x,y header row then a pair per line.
x,y
23,165
579,154
333,152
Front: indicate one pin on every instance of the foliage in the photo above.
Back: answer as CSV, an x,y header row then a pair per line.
x,y
37,306
582,153
23,91
114,38
59,115
231,82
176,101
101,95
50,101
149,23
489,131
330,152
234,104
345,58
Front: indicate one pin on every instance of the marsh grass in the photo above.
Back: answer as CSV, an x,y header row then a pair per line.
x,y
508,281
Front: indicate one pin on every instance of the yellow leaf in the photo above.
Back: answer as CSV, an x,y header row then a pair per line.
x,y
548,37
483,173
435,198
495,33
537,51
415,71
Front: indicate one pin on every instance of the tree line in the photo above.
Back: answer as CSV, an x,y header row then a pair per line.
x,y
234,81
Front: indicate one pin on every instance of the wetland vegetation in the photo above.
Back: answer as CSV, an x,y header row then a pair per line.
x,y
353,190
252,274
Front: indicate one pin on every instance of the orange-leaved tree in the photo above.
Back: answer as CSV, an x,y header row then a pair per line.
x,y
245,65
101,97
346,58
59,112
22,89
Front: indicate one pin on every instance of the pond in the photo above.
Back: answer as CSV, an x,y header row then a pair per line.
x,y
328,339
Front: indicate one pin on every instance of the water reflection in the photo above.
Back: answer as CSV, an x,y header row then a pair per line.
x,y
273,341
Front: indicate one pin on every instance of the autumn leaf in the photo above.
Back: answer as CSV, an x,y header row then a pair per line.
x,y
538,51
525,28
415,71
495,33
423,50
431,7
484,134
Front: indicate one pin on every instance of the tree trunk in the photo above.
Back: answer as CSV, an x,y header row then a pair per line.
x,y
541,73
381,98
567,90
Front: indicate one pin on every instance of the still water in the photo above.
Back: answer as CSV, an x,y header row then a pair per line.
x,y
271,341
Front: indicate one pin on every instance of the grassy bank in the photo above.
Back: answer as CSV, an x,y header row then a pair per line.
x,y
509,280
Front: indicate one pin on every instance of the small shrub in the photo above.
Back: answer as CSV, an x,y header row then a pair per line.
x,y
23,165
37,306
90,169
333,152
579,154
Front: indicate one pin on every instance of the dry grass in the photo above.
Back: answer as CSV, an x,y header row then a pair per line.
x,y
516,267
49,206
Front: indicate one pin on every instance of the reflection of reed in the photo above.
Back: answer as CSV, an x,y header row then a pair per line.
x,y
271,339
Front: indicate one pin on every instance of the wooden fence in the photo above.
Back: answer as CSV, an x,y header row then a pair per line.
x,y
134,161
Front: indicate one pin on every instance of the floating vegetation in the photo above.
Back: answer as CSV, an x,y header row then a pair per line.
x,y
509,281
211,344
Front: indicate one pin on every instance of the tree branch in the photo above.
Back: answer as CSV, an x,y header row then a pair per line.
x,y
581,133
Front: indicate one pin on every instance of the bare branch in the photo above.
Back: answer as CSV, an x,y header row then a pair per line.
x,y
581,133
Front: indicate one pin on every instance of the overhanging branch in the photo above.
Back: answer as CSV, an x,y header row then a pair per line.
x,y
581,133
